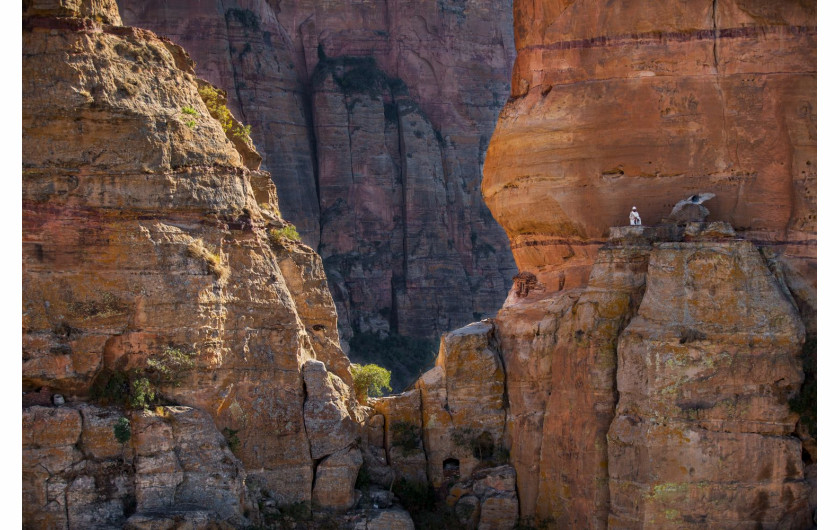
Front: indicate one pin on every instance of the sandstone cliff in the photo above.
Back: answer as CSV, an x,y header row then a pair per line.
x,y
615,104
154,272
633,400
638,373
374,118
657,396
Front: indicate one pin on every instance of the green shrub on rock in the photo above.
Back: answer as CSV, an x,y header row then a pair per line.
x,y
369,380
122,430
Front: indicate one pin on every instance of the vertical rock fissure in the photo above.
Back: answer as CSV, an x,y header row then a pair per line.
x,y
236,74
303,415
349,110
309,116
66,509
404,206
716,32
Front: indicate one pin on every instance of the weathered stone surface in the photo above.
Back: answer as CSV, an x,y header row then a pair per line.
x,y
49,452
378,166
98,439
185,464
615,105
329,425
101,10
51,426
177,520
703,430
463,402
374,430
559,356
404,434
487,500
499,513
335,478
145,231
390,519
468,510
373,452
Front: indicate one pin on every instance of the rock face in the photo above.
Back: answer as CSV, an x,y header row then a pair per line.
x,y
560,361
149,275
77,475
404,435
463,404
374,118
703,430
615,104
487,500
701,345
451,431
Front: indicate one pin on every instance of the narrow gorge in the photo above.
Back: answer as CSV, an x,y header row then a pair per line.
x,y
184,358
374,118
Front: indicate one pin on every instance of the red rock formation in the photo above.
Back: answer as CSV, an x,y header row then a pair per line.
x,y
705,370
616,104
559,354
380,171
146,252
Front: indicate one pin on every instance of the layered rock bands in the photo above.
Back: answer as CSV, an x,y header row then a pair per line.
x,y
616,104
149,276
374,118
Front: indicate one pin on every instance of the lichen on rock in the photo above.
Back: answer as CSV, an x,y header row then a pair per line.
x,y
145,232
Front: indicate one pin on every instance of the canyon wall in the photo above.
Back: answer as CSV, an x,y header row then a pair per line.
x,y
154,273
642,362
634,400
374,118
616,104
181,357
657,396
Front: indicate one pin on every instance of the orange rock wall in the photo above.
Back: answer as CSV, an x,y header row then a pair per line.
x,y
560,361
619,104
616,104
633,400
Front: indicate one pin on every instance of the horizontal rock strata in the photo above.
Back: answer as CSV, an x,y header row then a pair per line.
x,y
614,105
374,118
152,273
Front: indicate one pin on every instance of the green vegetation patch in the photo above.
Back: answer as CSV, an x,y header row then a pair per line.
x,y
277,235
369,380
122,430
406,436
139,388
216,103
405,357
231,438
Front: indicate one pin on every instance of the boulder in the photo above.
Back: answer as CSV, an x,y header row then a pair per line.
x,y
329,425
335,479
